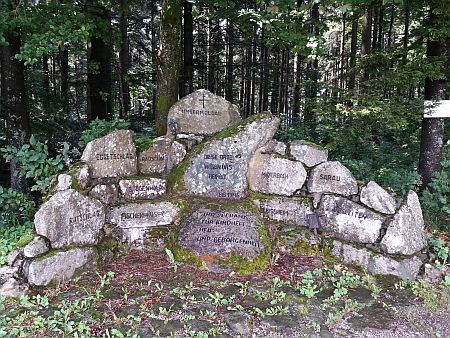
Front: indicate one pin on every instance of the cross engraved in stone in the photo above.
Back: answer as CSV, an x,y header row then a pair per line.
x,y
203,100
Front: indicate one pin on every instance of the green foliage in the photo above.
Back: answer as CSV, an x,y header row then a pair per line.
x,y
9,236
36,163
439,249
99,128
16,209
436,198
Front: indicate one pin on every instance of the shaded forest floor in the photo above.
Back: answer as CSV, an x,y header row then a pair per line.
x,y
141,295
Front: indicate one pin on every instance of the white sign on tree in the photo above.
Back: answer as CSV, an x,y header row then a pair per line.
x,y
437,109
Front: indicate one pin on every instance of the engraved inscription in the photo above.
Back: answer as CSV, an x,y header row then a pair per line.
x,y
84,216
112,156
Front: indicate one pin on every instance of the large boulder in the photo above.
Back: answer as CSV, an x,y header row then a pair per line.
x,y
161,156
405,234
375,263
308,153
332,177
69,218
113,155
201,112
348,220
290,210
61,266
216,232
219,170
377,198
273,175
147,188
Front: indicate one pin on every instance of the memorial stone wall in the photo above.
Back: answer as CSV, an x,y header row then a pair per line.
x,y
216,184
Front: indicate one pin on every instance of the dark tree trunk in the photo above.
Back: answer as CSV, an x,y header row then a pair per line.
x,y
188,52
275,83
353,46
169,58
296,95
154,51
366,31
13,99
313,75
432,139
45,70
230,53
380,26
99,69
64,69
375,20
391,24
406,34
342,54
124,57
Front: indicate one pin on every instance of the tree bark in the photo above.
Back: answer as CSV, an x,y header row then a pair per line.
x,y
64,69
353,46
188,52
406,34
432,139
14,104
99,68
124,56
230,67
169,58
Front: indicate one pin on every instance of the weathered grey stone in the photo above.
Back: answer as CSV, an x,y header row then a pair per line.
x,y
377,198
238,322
221,232
7,272
190,140
106,193
143,215
272,175
12,288
308,153
64,182
60,267
35,248
405,234
350,254
348,220
133,221
274,147
201,112
69,218
432,274
332,177
161,156
148,188
113,155
83,177
14,256
406,269
220,169
285,210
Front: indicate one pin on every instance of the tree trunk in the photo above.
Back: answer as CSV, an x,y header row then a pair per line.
x,y
99,69
124,57
188,52
432,139
168,59
391,24
230,53
296,94
45,70
64,69
406,34
14,106
353,46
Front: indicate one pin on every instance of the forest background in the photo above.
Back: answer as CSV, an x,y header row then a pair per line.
x,y
351,75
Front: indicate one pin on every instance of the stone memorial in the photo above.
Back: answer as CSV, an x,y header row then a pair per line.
x,y
216,198
272,175
220,169
69,218
332,177
221,232
405,234
113,155
308,153
161,156
201,112
148,188
348,220
375,197
286,210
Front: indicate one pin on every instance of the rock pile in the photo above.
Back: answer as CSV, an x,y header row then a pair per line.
x,y
215,197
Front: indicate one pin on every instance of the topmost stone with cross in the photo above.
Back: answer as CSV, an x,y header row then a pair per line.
x,y
201,113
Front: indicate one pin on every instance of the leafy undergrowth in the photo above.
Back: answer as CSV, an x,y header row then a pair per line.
x,y
144,295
